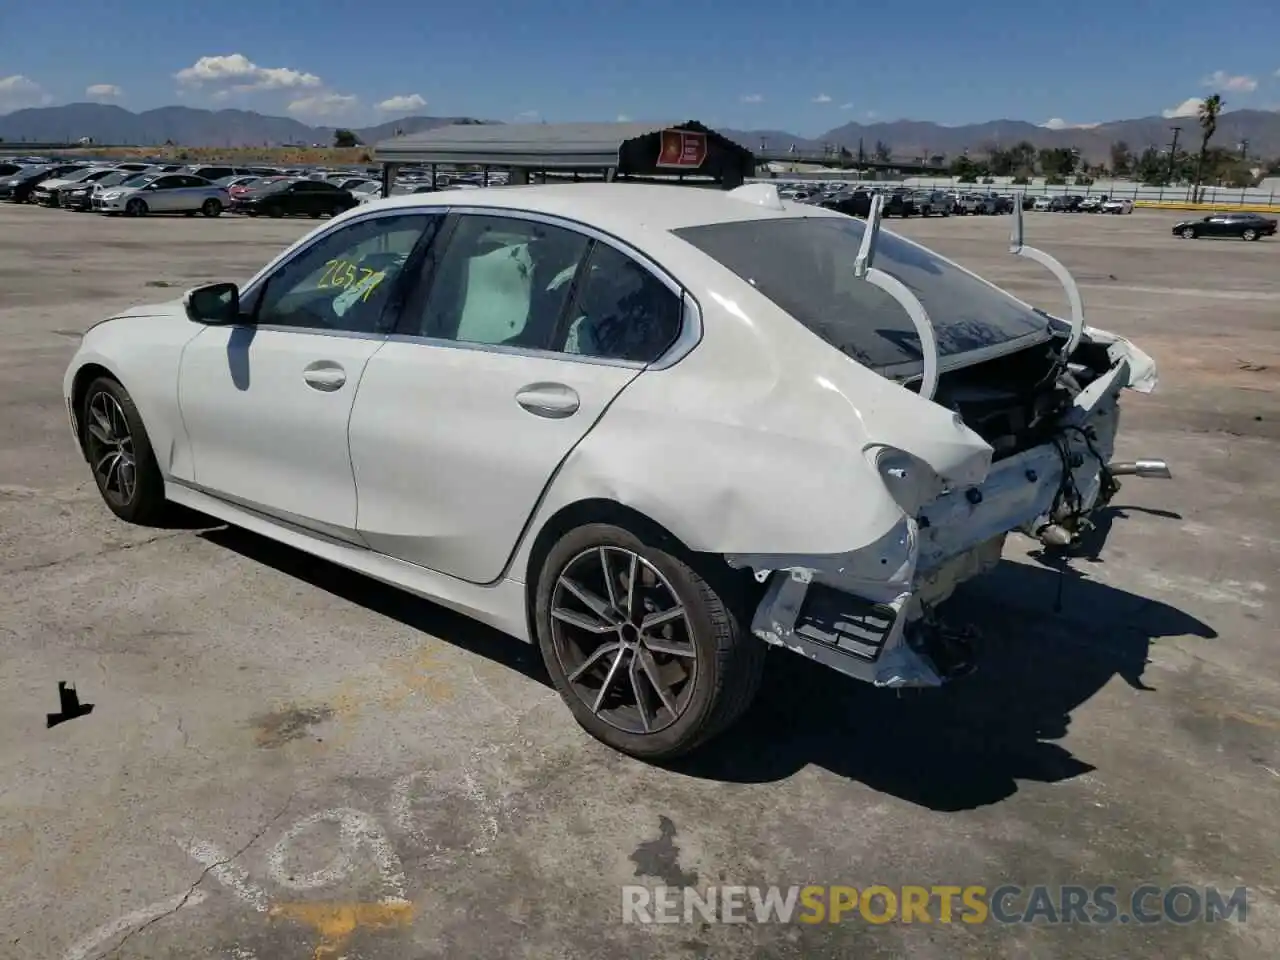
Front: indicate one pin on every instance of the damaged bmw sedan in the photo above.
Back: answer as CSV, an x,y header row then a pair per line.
x,y
653,430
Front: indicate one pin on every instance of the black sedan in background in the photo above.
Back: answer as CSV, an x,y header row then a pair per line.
x,y
79,196
1245,226
19,186
288,198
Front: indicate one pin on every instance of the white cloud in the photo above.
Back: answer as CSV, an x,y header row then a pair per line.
x,y
324,106
752,98
822,98
403,103
1189,107
1057,123
528,115
1221,80
104,91
18,91
871,114
623,118
237,72
846,106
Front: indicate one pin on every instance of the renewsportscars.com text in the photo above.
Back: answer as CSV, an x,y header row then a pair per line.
x,y
972,904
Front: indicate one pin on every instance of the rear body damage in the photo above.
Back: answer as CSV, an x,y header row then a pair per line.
x,y
1035,434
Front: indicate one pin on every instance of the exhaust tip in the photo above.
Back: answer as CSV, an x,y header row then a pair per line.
x,y
1150,469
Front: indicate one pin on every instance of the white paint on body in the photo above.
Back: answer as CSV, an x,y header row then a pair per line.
x,y
89,943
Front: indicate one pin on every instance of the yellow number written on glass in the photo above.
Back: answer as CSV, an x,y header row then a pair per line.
x,y
343,275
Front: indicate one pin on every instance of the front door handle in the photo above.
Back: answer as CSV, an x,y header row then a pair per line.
x,y
325,375
554,401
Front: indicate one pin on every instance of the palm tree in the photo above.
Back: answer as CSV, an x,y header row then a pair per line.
x,y
1207,115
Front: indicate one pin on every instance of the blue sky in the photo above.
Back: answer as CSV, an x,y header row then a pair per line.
x,y
730,63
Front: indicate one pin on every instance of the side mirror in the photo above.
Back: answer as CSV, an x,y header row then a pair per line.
x,y
214,303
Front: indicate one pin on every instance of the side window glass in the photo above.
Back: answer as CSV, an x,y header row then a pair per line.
x,y
502,281
621,310
343,281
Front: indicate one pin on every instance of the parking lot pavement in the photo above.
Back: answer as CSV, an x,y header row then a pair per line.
x,y
285,761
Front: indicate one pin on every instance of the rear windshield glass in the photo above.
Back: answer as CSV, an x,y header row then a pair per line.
x,y
805,266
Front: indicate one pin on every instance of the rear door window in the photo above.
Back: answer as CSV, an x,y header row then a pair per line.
x,y
805,266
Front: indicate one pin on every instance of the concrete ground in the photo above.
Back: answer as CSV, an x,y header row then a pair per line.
x,y
286,761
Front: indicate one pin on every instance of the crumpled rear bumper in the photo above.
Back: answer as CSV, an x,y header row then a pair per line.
x,y
869,613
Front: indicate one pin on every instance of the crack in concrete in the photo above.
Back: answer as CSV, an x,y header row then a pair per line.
x,y
118,548
113,951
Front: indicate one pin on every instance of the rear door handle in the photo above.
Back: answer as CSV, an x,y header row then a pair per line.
x,y
324,375
555,401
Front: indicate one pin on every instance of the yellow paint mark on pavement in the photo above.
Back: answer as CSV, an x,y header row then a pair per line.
x,y
337,922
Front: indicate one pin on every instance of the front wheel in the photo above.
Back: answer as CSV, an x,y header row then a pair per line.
x,y
1250,234
211,208
1188,233
119,453
136,207
650,657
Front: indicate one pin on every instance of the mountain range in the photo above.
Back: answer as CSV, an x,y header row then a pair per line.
x,y
188,126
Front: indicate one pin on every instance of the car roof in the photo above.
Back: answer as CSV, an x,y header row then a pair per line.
x,y
617,207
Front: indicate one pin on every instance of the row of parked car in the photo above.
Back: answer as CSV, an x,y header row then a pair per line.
x,y
855,200
133,188
137,189
1078,203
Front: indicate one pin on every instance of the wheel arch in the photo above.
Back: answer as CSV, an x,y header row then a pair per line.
x,y
84,376
711,566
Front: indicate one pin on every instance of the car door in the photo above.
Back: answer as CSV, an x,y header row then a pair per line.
x,y
266,401
504,359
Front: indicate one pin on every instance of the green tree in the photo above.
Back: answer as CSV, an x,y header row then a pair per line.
x,y
1151,167
1058,161
345,138
1001,162
1121,159
1207,117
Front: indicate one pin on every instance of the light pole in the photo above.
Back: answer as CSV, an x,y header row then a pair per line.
x,y
1173,152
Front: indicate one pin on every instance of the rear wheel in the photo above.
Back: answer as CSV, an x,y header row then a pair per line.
x,y
275,213
650,657
211,208
1188,233
119,453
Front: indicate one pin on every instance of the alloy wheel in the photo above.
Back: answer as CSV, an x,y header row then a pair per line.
x,y
111,450
624,639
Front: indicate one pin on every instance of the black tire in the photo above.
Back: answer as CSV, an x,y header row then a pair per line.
x,y
1250,234
211,208
1188,233
275,213
337,211
728,660
137,207
144,503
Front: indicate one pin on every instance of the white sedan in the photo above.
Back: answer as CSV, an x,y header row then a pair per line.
x,y
163,193
652,429
1118,205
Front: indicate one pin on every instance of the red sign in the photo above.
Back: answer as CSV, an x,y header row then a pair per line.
x,y
682,149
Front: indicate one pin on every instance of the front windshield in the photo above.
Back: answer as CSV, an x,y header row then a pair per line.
x,y
805,266
139,180
269,186
116,176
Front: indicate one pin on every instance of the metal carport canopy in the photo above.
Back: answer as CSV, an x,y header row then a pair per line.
x,y
541,146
